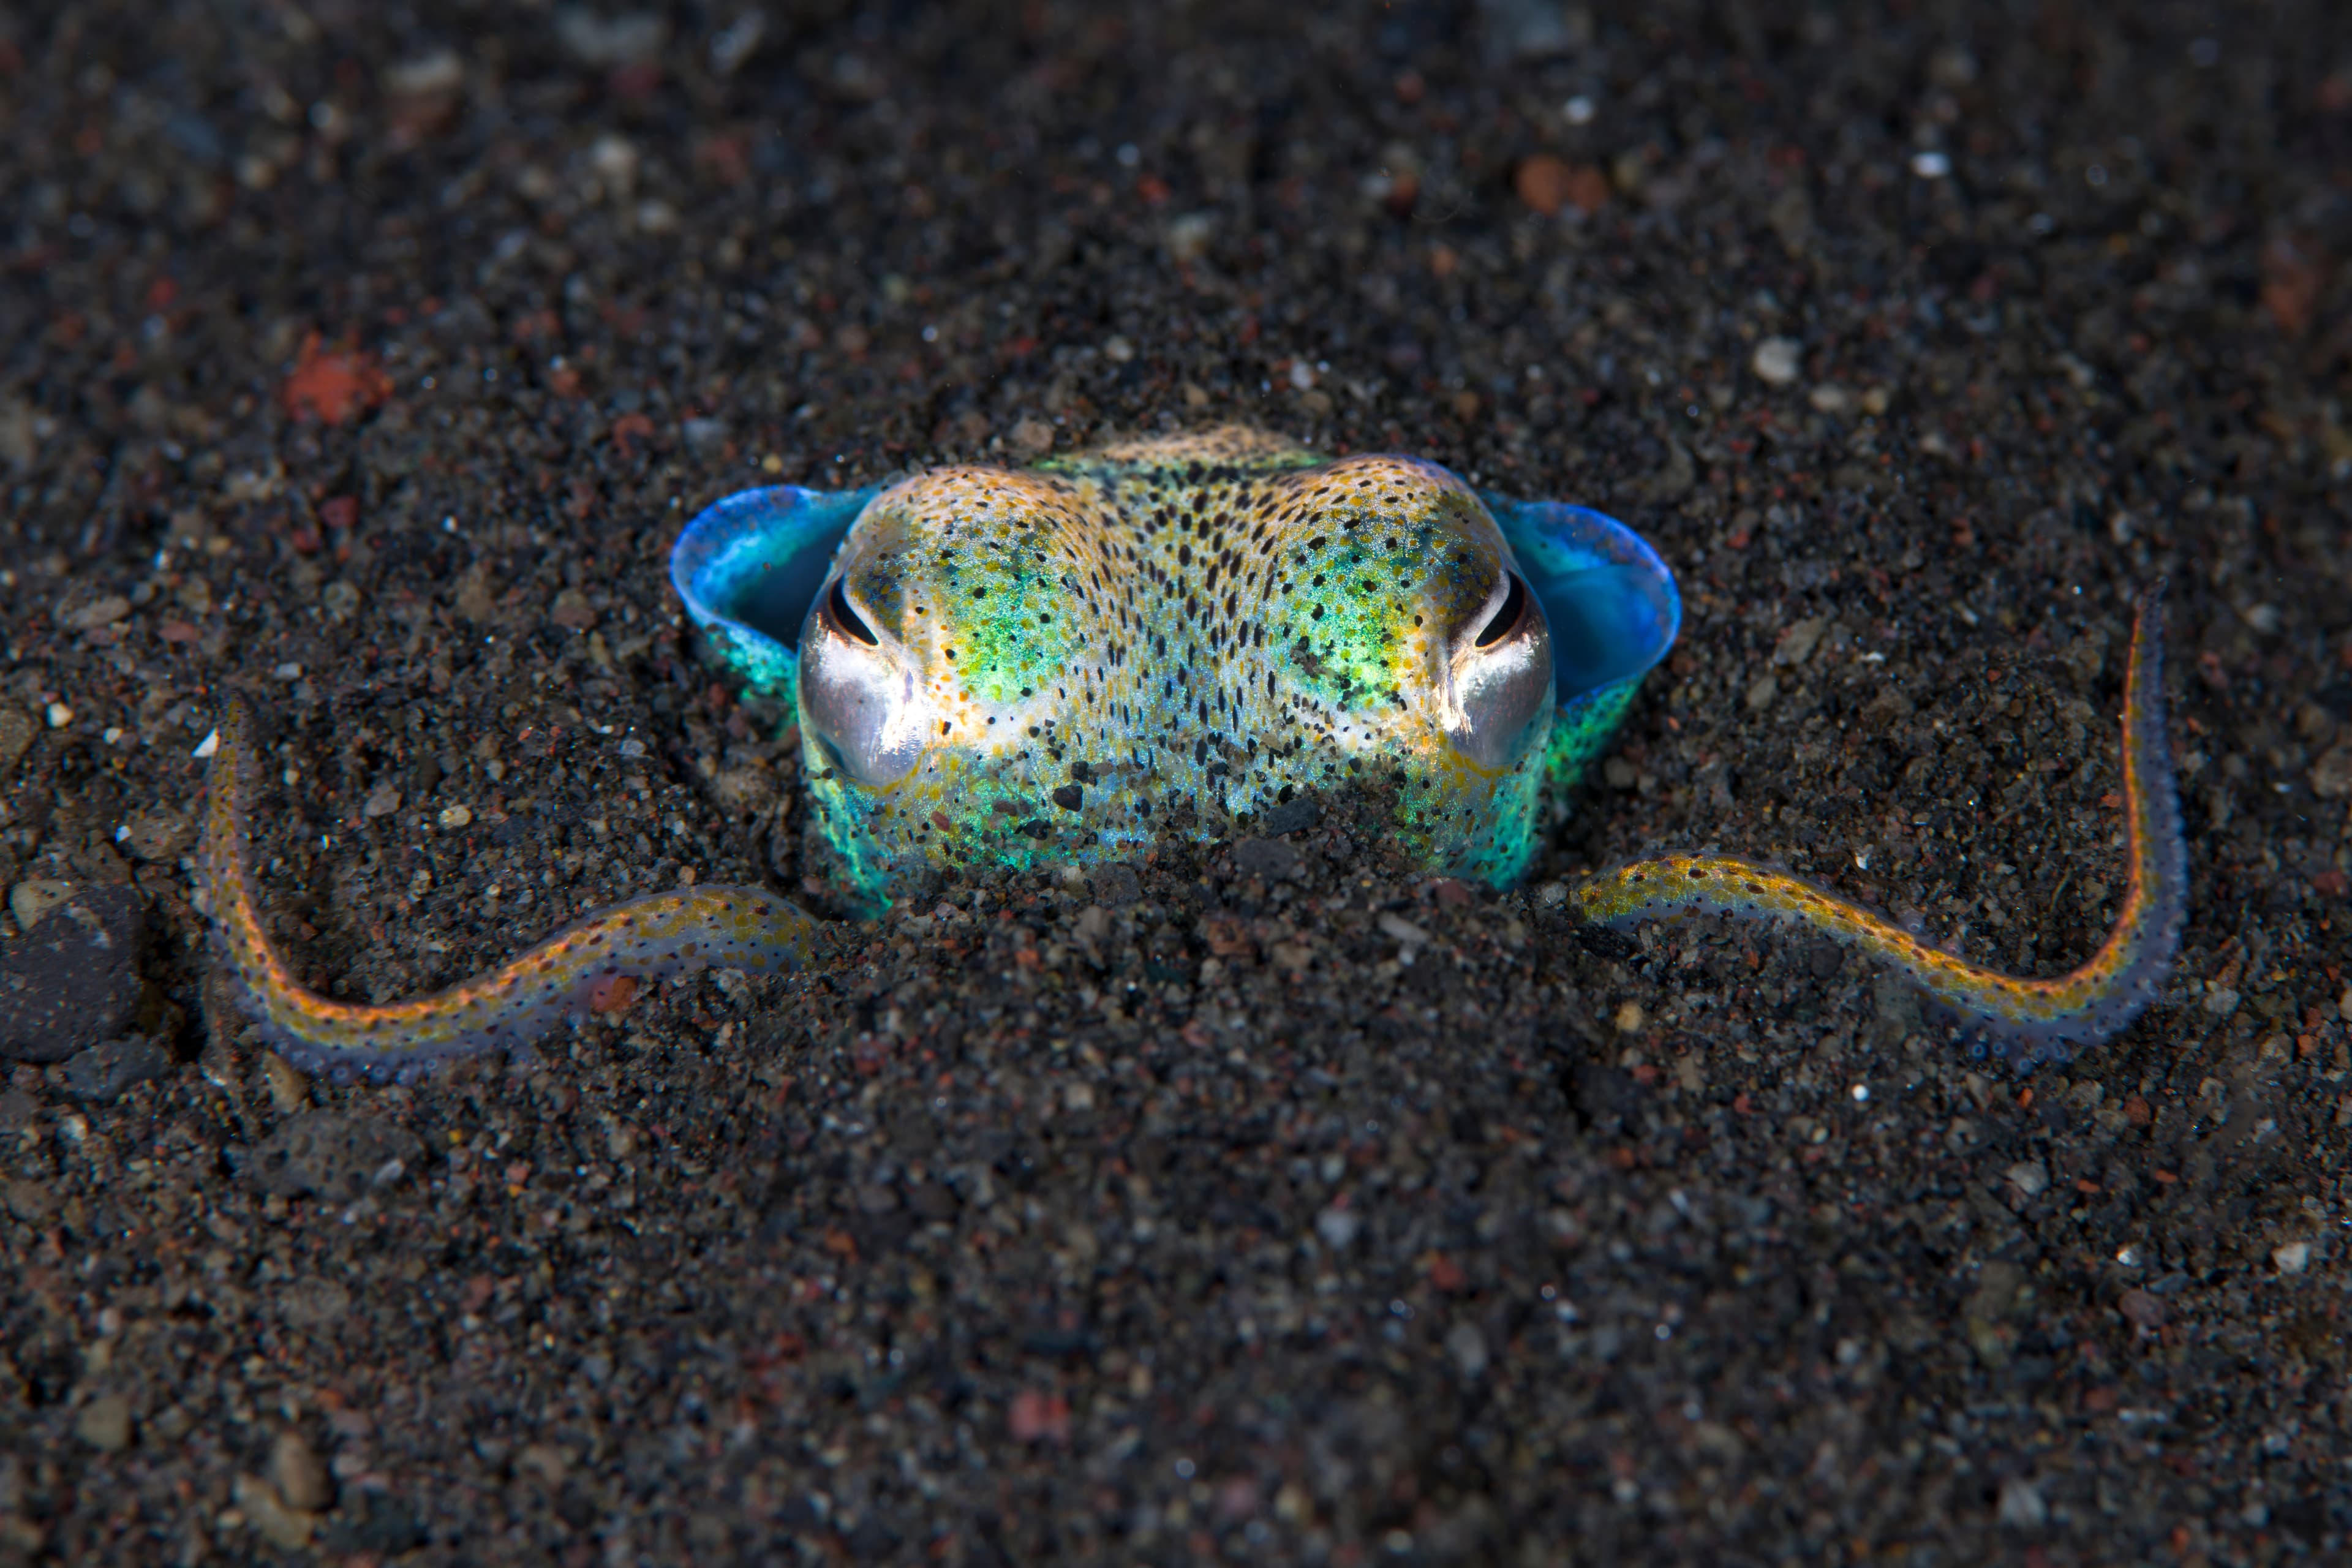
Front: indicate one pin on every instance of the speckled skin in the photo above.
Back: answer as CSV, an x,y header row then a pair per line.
x,y
1207,625
598,963
1200,625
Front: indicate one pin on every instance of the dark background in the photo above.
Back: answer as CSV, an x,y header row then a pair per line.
x,y
367,358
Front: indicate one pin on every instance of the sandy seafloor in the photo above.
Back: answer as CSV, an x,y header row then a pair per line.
x,y
1203,1228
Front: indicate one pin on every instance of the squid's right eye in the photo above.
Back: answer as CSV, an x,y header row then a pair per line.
x,y
859,699
841,618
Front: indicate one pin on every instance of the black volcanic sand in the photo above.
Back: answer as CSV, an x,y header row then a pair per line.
x,y
1177,1215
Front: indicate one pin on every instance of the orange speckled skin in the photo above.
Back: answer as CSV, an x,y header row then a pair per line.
x,y
639,938
2034,1018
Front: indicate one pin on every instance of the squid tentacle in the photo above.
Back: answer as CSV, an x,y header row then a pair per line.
x,y
595,964
2035,1018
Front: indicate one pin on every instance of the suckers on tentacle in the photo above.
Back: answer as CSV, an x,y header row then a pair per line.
x,y
598,961
2039,1018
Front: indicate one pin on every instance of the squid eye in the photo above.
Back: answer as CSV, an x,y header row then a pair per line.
x,y
1502,676
845,620
859,699
1507,619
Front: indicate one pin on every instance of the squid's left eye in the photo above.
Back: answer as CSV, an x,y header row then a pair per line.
x,y
1502,676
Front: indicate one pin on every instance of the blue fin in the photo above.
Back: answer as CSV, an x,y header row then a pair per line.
x,y
1613,611
749,567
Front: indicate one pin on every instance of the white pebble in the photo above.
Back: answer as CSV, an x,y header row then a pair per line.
x,y
2021,1506
60,715
1931,165
1776,361
1338,1227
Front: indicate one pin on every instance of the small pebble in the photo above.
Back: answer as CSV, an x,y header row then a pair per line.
x,y
425,76
1038,1417
31,901
105,1423
288,1529
1267,858
1188,236
1542,182
2292,1258
101,1072
1338,1227
290,1092
60,715
31,1202
15,738
2331,775
1467,1346
99,613
1290,817
300,1477
1775,361
1795,644
615,161
2021,1506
